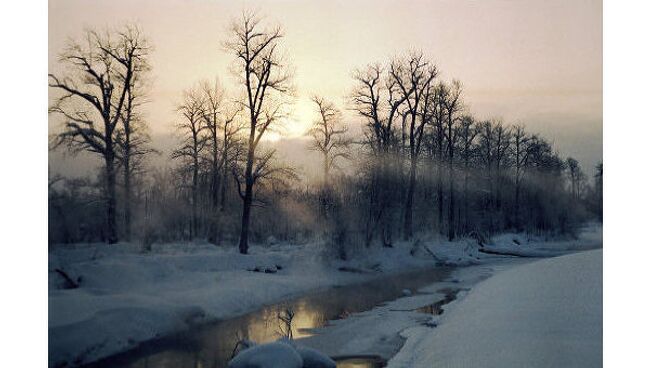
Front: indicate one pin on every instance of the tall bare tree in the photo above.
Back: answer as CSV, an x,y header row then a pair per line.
x,y
266,81
576,177
94,91
503,141
231,148
414,76
438,148
453,105
467,132
192,127
213,96
376,97
520,151
329,137
598,187
133,139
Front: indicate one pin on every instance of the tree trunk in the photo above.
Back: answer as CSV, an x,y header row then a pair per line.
x,y
440,200
245,219
111,200
517,190
466,188
195,199
248,195
408,206
127,197
466,200
439,186
224,180
451,233
214,195
451,230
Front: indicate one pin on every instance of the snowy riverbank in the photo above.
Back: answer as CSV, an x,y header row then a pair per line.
x,y
542,314
126,296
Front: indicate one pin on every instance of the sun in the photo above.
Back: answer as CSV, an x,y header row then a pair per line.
x,y
301,119
298,122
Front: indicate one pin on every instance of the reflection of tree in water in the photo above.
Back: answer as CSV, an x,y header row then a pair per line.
x,y
285,320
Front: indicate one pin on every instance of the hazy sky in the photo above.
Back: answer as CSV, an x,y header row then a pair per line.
x,y
536,62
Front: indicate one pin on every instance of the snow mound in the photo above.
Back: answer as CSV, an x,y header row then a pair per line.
x,y
283,353
272,355
313,358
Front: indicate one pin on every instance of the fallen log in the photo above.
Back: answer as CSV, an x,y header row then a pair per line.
x,y
69,282
506,253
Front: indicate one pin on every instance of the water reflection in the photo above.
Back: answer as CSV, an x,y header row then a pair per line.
x,y
212,345
436,308
361,362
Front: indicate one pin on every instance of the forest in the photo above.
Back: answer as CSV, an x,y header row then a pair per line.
x,y
423,166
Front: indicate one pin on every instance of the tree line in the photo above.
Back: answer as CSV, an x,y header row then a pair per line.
x,y
423,165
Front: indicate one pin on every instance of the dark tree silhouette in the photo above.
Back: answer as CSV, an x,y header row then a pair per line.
x,y
213,96
450,98
329,137
413,76
265,79
377,99
191,128
520,149
94,91
231,148
467,133
133,140
576,177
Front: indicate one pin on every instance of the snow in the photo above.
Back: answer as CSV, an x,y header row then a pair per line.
x,y
542,314
313,358
127,296
283,353
272,355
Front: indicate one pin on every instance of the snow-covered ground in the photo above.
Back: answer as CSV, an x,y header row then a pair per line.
x,y
541,314
127,296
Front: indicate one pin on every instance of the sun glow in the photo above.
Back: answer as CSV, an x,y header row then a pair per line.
x,y
300,117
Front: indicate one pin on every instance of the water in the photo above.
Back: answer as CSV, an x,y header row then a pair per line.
x,y
436,308
212,345
361,362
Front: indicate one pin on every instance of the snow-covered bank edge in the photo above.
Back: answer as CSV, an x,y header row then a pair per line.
x,y
546,313
127,297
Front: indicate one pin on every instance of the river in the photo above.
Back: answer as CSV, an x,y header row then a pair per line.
x,y
211,345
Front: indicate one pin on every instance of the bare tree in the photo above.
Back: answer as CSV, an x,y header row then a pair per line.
x,y
598,184
520,148
377,99
93,96
265,79
576,177
413,76
192,127
467,134
452,104
485,152
438,147
213,95
133,139
329,136
231,148
267,172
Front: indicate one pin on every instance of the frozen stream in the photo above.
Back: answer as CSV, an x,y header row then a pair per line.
x,y
211,345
